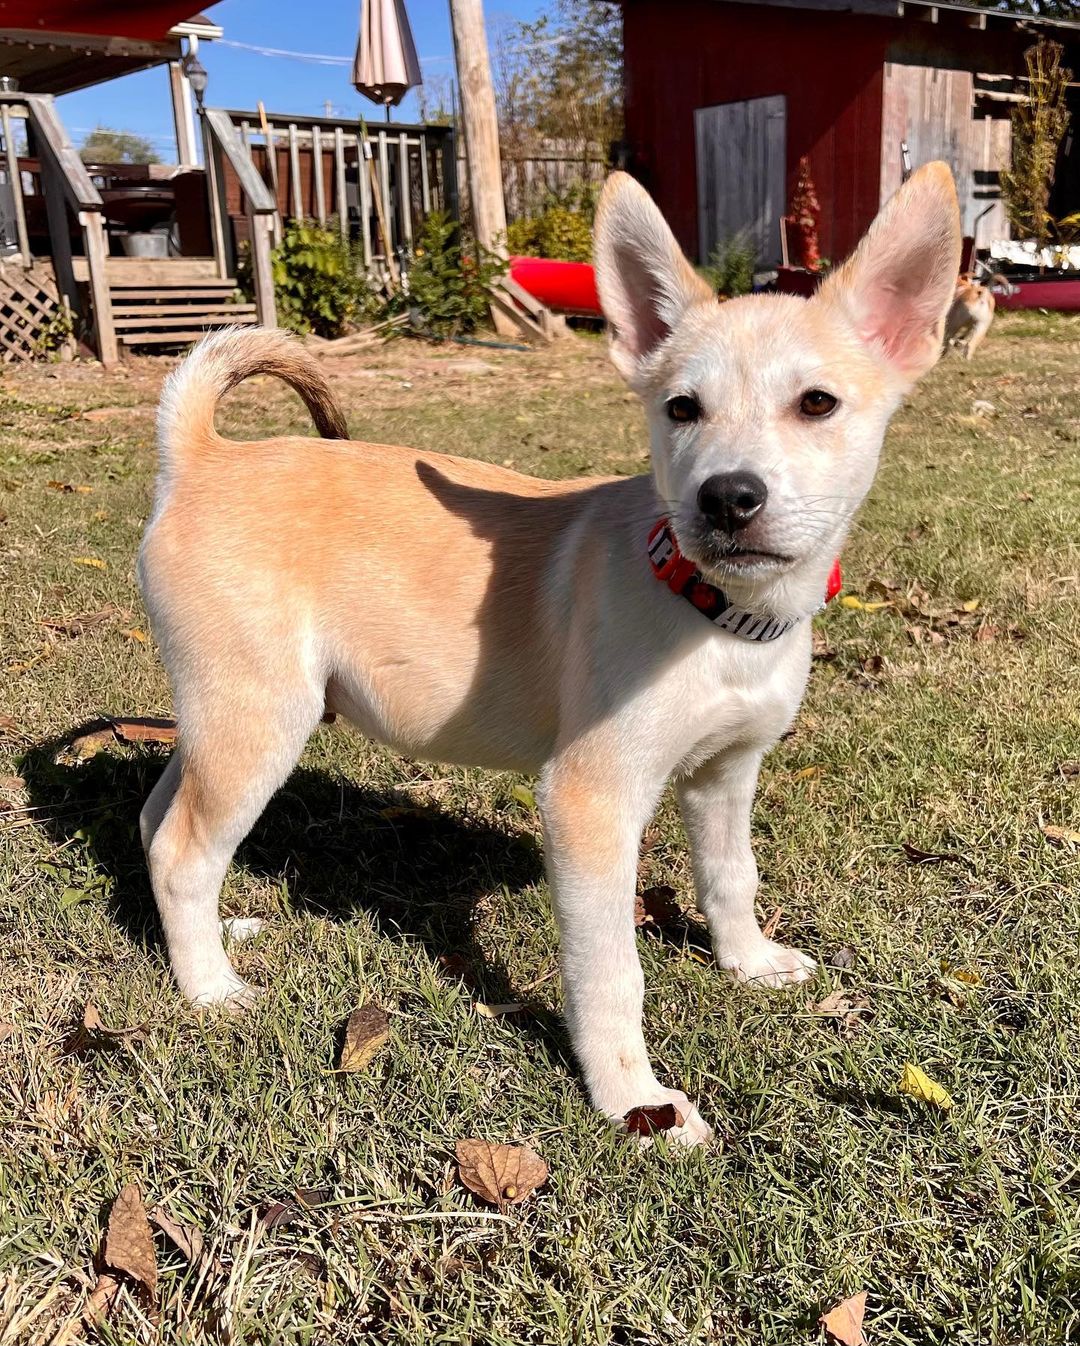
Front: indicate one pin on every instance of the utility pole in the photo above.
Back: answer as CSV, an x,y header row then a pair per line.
x,y
479,123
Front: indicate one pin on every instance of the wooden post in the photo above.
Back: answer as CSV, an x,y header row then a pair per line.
x,y
183,121
480,124
15,178
97,252
262,228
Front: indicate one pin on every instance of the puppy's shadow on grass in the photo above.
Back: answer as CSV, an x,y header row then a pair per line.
x,y
335,847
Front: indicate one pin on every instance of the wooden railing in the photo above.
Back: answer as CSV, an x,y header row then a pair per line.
x,y
377,181
65,185
223,146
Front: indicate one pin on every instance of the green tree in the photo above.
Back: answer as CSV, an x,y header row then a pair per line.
x,y
103,145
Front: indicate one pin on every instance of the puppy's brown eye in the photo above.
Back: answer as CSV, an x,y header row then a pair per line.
x,y
683,409
817,403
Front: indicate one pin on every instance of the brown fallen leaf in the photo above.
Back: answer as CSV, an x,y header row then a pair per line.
x,y
126,730
656,906
848,1009
500,1174
487,1011
1062,836
144,729
83,622
367,1030
771,926
6,1031
129,1244
186,1237
648,1120
69,488
93,1025
844,1323
282,1214
103,1300
1066,768
921,857
8,726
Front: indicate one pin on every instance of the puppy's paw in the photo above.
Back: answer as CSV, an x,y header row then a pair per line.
x,y
229,992
766,963
692,1130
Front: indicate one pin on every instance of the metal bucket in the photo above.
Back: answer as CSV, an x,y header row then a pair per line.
x,y
145,245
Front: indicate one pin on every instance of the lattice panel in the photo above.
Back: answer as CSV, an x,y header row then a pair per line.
x,y
28,303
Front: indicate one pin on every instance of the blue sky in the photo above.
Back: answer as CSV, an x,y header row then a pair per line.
x,y
239,77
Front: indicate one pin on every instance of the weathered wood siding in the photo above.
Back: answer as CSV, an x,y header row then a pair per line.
x,y
741,175
933,111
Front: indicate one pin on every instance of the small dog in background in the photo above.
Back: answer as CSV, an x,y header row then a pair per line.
x,y
970,317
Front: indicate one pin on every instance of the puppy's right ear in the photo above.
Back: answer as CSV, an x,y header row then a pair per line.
x,y
646,284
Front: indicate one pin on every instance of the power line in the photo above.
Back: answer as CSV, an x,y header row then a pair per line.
x,y
312,57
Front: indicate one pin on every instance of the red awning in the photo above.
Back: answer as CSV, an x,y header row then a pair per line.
x,y
149,20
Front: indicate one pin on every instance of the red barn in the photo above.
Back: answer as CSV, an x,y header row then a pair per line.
x,y
723,97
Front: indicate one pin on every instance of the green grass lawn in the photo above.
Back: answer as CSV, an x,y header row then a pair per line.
x,y
948,719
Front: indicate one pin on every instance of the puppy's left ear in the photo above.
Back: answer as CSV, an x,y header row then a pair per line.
x,y
646,284
898,285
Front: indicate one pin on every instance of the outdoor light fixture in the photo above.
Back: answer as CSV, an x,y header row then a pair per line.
x,y
196,77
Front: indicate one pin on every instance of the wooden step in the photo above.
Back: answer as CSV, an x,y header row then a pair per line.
x,y
161,310
152,270
162,338
217,292
241,314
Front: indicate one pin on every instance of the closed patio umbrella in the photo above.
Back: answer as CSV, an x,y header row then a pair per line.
x,y
386,65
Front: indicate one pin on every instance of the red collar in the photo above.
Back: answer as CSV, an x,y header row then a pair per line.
x,y
683,578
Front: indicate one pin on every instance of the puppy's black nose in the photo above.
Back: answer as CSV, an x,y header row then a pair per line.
x,y
731,499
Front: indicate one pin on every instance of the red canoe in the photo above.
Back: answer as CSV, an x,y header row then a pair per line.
x,y
565,287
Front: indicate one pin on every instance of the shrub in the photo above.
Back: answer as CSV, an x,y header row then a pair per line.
x,y
561,230
449,275
730,268
319,281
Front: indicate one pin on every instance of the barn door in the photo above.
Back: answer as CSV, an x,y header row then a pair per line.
x,y
741,151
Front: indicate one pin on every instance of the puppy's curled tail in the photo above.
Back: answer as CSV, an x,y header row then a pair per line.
x,y
221,361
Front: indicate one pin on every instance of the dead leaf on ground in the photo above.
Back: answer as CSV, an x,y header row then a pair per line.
x,y
95,1028
187,1237
921,857
367,1030
771,926
960,974
844,957
822,650
653,1118
129,1245
1061,836
94,562
6,1031
69,488
1066,768
849,1009
123,729
917,1083
281,1214
457,966
496,1011
83,622
500,1174
103,1300
844,1323
8,726
656,906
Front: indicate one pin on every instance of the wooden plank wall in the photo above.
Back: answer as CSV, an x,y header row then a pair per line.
x,y
741,175
933,110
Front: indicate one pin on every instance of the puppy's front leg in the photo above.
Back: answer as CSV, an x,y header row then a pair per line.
x,y
716,802
593,824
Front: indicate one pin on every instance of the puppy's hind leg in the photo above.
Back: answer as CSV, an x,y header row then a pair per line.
x,y
229,762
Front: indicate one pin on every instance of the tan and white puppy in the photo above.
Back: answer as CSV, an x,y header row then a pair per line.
x,y
464,613
970,316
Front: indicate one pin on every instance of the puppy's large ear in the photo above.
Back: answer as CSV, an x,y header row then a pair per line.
x,y
645,282
897,286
